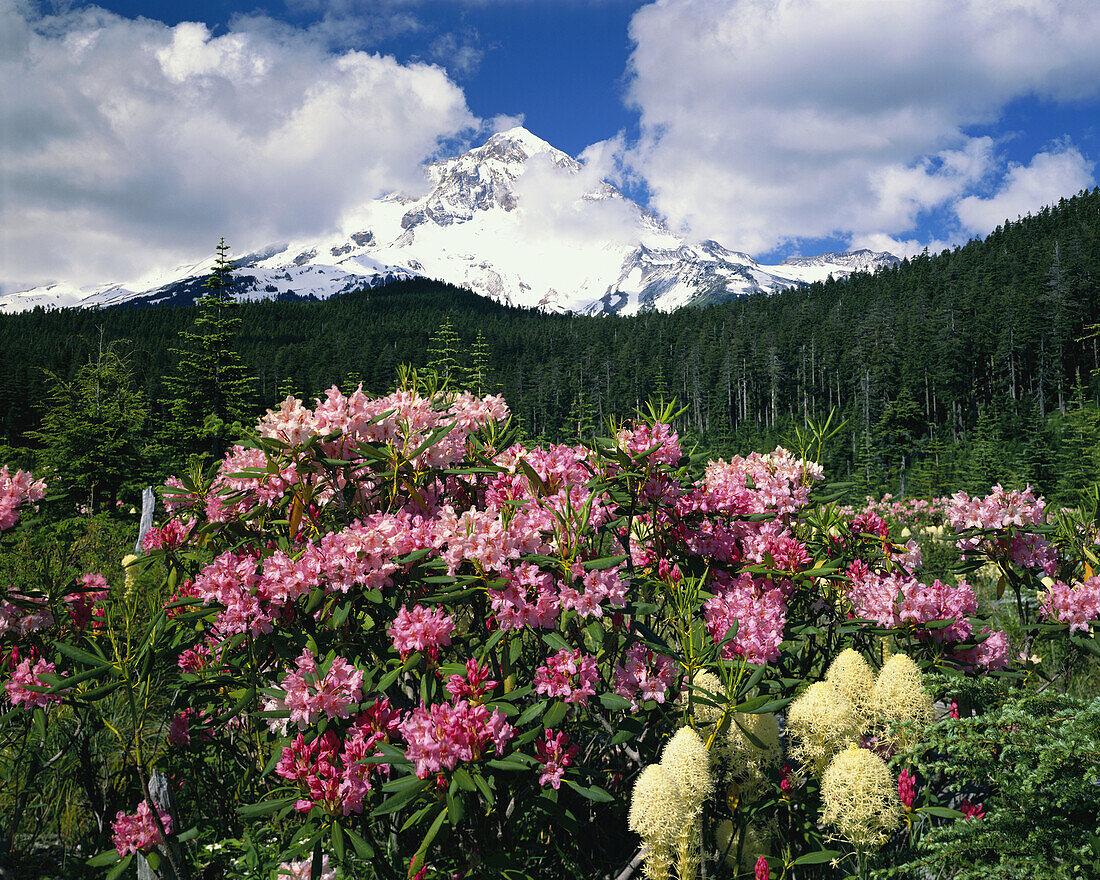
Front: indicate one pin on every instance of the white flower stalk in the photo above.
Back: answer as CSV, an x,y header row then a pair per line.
x,y
686,762
850,674
657,815
860,798
821,721
899,698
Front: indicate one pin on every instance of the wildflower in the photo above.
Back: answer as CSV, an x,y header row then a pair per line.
x,y
906,789
822,721
761,872
555,754
138,832
568,674
25,677
899,697
657,813
418,629
309,694
850,674
971,811
860,798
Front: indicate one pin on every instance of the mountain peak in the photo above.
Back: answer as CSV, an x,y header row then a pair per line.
x,y
520,137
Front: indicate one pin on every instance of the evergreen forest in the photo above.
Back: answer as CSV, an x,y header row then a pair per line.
x,y
949,371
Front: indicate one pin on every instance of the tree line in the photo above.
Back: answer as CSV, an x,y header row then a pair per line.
x,y
948,371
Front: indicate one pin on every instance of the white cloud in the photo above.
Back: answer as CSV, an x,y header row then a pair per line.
x,y
1027,188
766,121
126,144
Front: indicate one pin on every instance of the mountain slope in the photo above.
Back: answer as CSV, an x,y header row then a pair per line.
x,y
515,220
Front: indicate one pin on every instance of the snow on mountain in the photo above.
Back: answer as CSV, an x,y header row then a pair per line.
x,y
514,219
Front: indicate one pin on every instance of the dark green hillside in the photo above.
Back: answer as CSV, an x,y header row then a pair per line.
x,y
951,369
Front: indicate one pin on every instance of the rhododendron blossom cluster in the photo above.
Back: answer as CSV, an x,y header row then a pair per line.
x,y
138,832
567,674
26,677
441,735
16,490
1074,604
311,692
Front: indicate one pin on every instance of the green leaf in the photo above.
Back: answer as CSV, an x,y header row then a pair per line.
x,y
110,857
362,849
409,791
81,656
614,703
418,859
555,714
605,562
817,858
593,793
556,641
940,812
265,808
120,867
338,841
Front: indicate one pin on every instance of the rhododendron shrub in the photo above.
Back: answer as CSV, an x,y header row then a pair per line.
x,y
397,637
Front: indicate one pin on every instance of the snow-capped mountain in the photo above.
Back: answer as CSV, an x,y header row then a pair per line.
x,y
516,220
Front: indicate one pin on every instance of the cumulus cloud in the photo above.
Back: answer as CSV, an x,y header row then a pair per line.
x,y
578,207
765,121
1027,188
127,144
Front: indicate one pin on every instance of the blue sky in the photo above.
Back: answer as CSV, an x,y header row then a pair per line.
x,y
133,134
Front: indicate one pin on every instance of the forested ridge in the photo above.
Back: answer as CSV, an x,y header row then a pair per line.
x,y
950,370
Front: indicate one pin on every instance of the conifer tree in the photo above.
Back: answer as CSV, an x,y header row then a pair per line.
x,y
479,365
444,355
92,430
210,390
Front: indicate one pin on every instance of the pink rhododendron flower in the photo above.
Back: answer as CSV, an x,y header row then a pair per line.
x,y
138,832
474,685
420,629
555,754
644,674
1076,605
758,610
15,490
309,694
567,674
25,677
440,736
906,789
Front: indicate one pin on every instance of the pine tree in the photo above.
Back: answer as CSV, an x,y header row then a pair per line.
x,y
479,366
444,355
210,390
93,430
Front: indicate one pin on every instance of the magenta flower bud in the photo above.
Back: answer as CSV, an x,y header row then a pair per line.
x,y
906,789
761,868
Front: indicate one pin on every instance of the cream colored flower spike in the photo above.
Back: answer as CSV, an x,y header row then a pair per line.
x,y
850,674
822,721
860,798
899,694
657,815
686,762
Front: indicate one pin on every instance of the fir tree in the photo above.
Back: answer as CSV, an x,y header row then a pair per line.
x,y
444,355
92,430
210,390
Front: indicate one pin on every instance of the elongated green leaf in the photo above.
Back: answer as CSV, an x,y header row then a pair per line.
x,y
81,656
362,849
817,858
265,808
593,793
940,812
110,857
418,860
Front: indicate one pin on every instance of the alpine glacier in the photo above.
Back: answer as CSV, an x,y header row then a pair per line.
x,y
515,220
